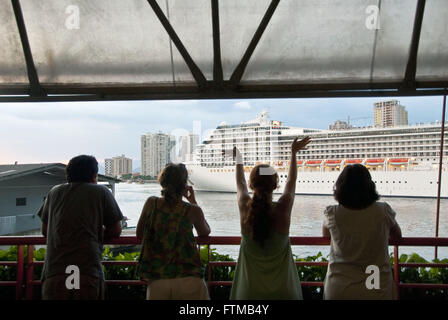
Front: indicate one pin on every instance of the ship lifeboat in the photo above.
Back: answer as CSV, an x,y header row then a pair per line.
x,y
313,163
333,163
353,161
375,162
299,162
398,161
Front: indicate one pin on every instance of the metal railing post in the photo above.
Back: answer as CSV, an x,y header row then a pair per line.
x,y
397,272
29,289
19,271
209,268
439,180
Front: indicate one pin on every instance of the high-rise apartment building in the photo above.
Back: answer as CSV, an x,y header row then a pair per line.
x,y
155,152
389,114
186,146
117,166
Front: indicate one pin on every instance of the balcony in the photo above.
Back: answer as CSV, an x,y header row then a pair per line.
x,y
26,283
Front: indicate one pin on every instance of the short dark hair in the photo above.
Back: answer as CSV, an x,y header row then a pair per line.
x,y
354,188
81,169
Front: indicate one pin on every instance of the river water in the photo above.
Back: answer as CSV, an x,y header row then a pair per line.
x,y
415,216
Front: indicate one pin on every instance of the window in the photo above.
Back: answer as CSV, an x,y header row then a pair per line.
x,y
20,202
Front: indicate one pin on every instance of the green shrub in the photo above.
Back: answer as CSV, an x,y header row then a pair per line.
x,y
226,273
312,273
422,275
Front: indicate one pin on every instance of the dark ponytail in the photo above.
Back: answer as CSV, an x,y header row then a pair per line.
x,y
259,217
259,220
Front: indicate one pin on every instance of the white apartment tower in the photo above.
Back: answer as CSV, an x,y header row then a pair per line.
x,y
389,114
186,147
155,152
117,166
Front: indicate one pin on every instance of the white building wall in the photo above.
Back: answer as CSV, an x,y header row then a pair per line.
x,y
34,188
155,151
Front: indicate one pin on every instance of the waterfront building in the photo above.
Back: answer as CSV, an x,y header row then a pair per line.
x,y
23,188
389,114
156,149
117,166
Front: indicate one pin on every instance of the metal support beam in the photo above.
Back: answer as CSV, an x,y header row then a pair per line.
x,y
439,186
411,67
239,70
194,69
217,63
58,93
35,87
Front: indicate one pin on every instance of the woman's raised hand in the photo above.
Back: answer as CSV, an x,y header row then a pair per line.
x,y
237,156
299,145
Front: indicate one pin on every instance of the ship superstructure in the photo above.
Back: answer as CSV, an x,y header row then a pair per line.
x,y
403,160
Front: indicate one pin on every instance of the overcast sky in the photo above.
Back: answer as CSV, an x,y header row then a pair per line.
x,y
56,132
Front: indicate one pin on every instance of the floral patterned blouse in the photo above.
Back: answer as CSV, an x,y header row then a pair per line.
x,y
169,249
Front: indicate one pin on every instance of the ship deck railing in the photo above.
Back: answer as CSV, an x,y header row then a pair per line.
x,y
24,283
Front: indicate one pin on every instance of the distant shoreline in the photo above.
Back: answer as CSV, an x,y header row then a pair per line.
x,y
141,182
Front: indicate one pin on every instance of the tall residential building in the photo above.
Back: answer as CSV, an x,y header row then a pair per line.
x,y
186,146
117,166
108,167
155,152
389,114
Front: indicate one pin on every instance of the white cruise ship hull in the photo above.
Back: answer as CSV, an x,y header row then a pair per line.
x,y
388,183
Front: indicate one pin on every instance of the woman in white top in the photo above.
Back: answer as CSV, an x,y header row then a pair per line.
x,y
360,228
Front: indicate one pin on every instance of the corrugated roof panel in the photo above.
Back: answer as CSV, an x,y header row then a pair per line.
x,y
101,41
393,40
334,41
191,19
432,60
12,61
239,21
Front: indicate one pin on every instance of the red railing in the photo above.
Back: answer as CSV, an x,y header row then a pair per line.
x,y
25,281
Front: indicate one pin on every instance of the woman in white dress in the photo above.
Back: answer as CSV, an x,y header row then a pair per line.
x,y
360,228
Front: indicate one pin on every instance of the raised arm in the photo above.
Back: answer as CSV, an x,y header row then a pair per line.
x,y
290,187
241,185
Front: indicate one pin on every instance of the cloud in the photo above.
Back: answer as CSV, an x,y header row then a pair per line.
x,y
242,105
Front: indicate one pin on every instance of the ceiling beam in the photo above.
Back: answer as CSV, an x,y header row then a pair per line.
x,y
239,70
217,62
35,87
194,69
245,91
411,66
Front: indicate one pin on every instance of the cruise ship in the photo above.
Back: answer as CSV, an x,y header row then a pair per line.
x,y
403,160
